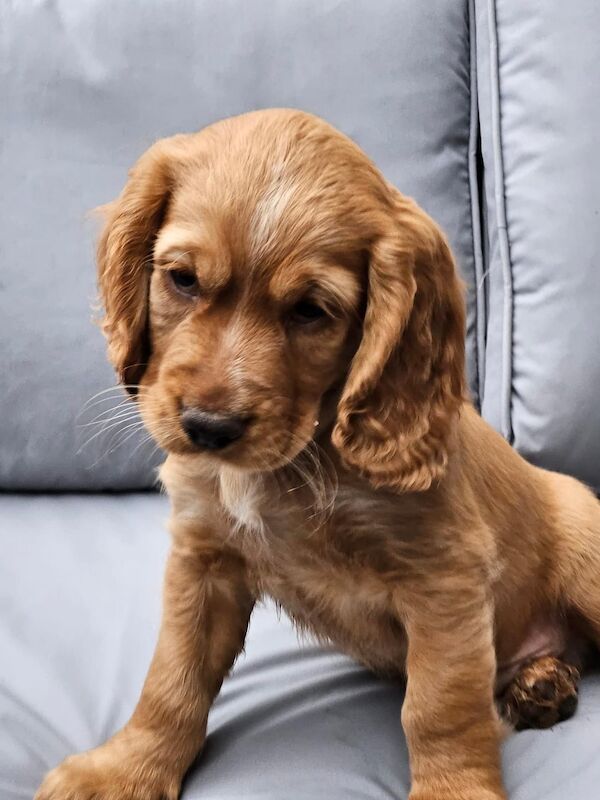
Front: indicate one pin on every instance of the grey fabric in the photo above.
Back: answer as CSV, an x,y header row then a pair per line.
x,y
538,82
79,592
88,85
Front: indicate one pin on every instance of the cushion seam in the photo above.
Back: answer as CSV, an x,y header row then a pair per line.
x,y
501,226
475,200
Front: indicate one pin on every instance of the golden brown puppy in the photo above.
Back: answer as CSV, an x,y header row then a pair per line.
x,y
292,328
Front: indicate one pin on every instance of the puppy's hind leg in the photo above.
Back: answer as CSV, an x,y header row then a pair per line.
x,y
576,563
544,690
577,555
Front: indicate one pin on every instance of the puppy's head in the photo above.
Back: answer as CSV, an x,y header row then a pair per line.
x,y
254,271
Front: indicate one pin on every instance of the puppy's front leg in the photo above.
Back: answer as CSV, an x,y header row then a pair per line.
x,y
449,715
206,608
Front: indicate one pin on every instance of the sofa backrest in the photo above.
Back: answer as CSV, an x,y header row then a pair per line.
x,y
87,86
538,81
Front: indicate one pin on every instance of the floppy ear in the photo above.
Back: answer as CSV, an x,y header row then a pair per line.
x,y
124,257
406,382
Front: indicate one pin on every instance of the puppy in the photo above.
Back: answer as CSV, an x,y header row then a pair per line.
x,y
292,329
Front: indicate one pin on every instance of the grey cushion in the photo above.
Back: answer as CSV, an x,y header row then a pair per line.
x,y
538,81
79,592
87,86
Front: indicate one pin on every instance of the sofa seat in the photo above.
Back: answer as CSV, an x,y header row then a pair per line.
x,y
80,579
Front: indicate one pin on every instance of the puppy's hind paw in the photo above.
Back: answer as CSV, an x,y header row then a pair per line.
x,y
543,693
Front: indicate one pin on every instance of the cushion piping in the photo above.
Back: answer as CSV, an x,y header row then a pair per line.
x,y
475,201
501,227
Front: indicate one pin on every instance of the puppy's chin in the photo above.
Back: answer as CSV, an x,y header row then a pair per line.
x,y
263,456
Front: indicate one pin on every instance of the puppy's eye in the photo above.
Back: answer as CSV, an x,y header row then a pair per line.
x,y
306,311
184,281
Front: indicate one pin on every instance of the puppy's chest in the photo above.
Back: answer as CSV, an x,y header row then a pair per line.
x,y
326,585
335,599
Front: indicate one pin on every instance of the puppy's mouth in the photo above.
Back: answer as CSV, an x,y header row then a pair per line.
x,y
248,442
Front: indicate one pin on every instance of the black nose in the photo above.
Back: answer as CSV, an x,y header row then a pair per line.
x,y
212,431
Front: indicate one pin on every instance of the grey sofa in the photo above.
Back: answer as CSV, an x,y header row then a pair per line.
x,y
487,113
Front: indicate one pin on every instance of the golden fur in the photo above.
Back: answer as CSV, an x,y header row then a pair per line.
x,y
367,497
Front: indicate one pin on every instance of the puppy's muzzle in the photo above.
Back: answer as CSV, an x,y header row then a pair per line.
x,y
211,431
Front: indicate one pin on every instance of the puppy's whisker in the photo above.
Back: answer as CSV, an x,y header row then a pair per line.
x,y
121,416
105,430
311,475
118,390
136,427
103,454
106,404
323,481
147,439
107,416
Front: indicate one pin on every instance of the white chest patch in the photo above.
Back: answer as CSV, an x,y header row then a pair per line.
x,y
243,496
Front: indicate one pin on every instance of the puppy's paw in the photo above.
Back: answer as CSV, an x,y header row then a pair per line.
x,y
464,793
542,693
471,785
93,776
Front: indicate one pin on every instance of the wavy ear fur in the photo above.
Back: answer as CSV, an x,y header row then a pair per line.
x,y
124,256
406,382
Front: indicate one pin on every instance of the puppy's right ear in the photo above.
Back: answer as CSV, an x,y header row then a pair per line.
x,y
124,256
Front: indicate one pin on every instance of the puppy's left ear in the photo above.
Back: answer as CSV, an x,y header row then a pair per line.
x,y
124,255
406,382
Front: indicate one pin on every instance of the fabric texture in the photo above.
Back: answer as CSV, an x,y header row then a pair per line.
x,y
80,594
538,79
86,87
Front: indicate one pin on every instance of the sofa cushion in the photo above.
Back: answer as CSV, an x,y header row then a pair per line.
x,y
87,86
79,597
538,79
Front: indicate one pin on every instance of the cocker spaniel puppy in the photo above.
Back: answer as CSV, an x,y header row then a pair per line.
x,y
292,328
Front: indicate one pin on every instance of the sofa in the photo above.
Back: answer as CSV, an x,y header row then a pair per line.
x,y
486,112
